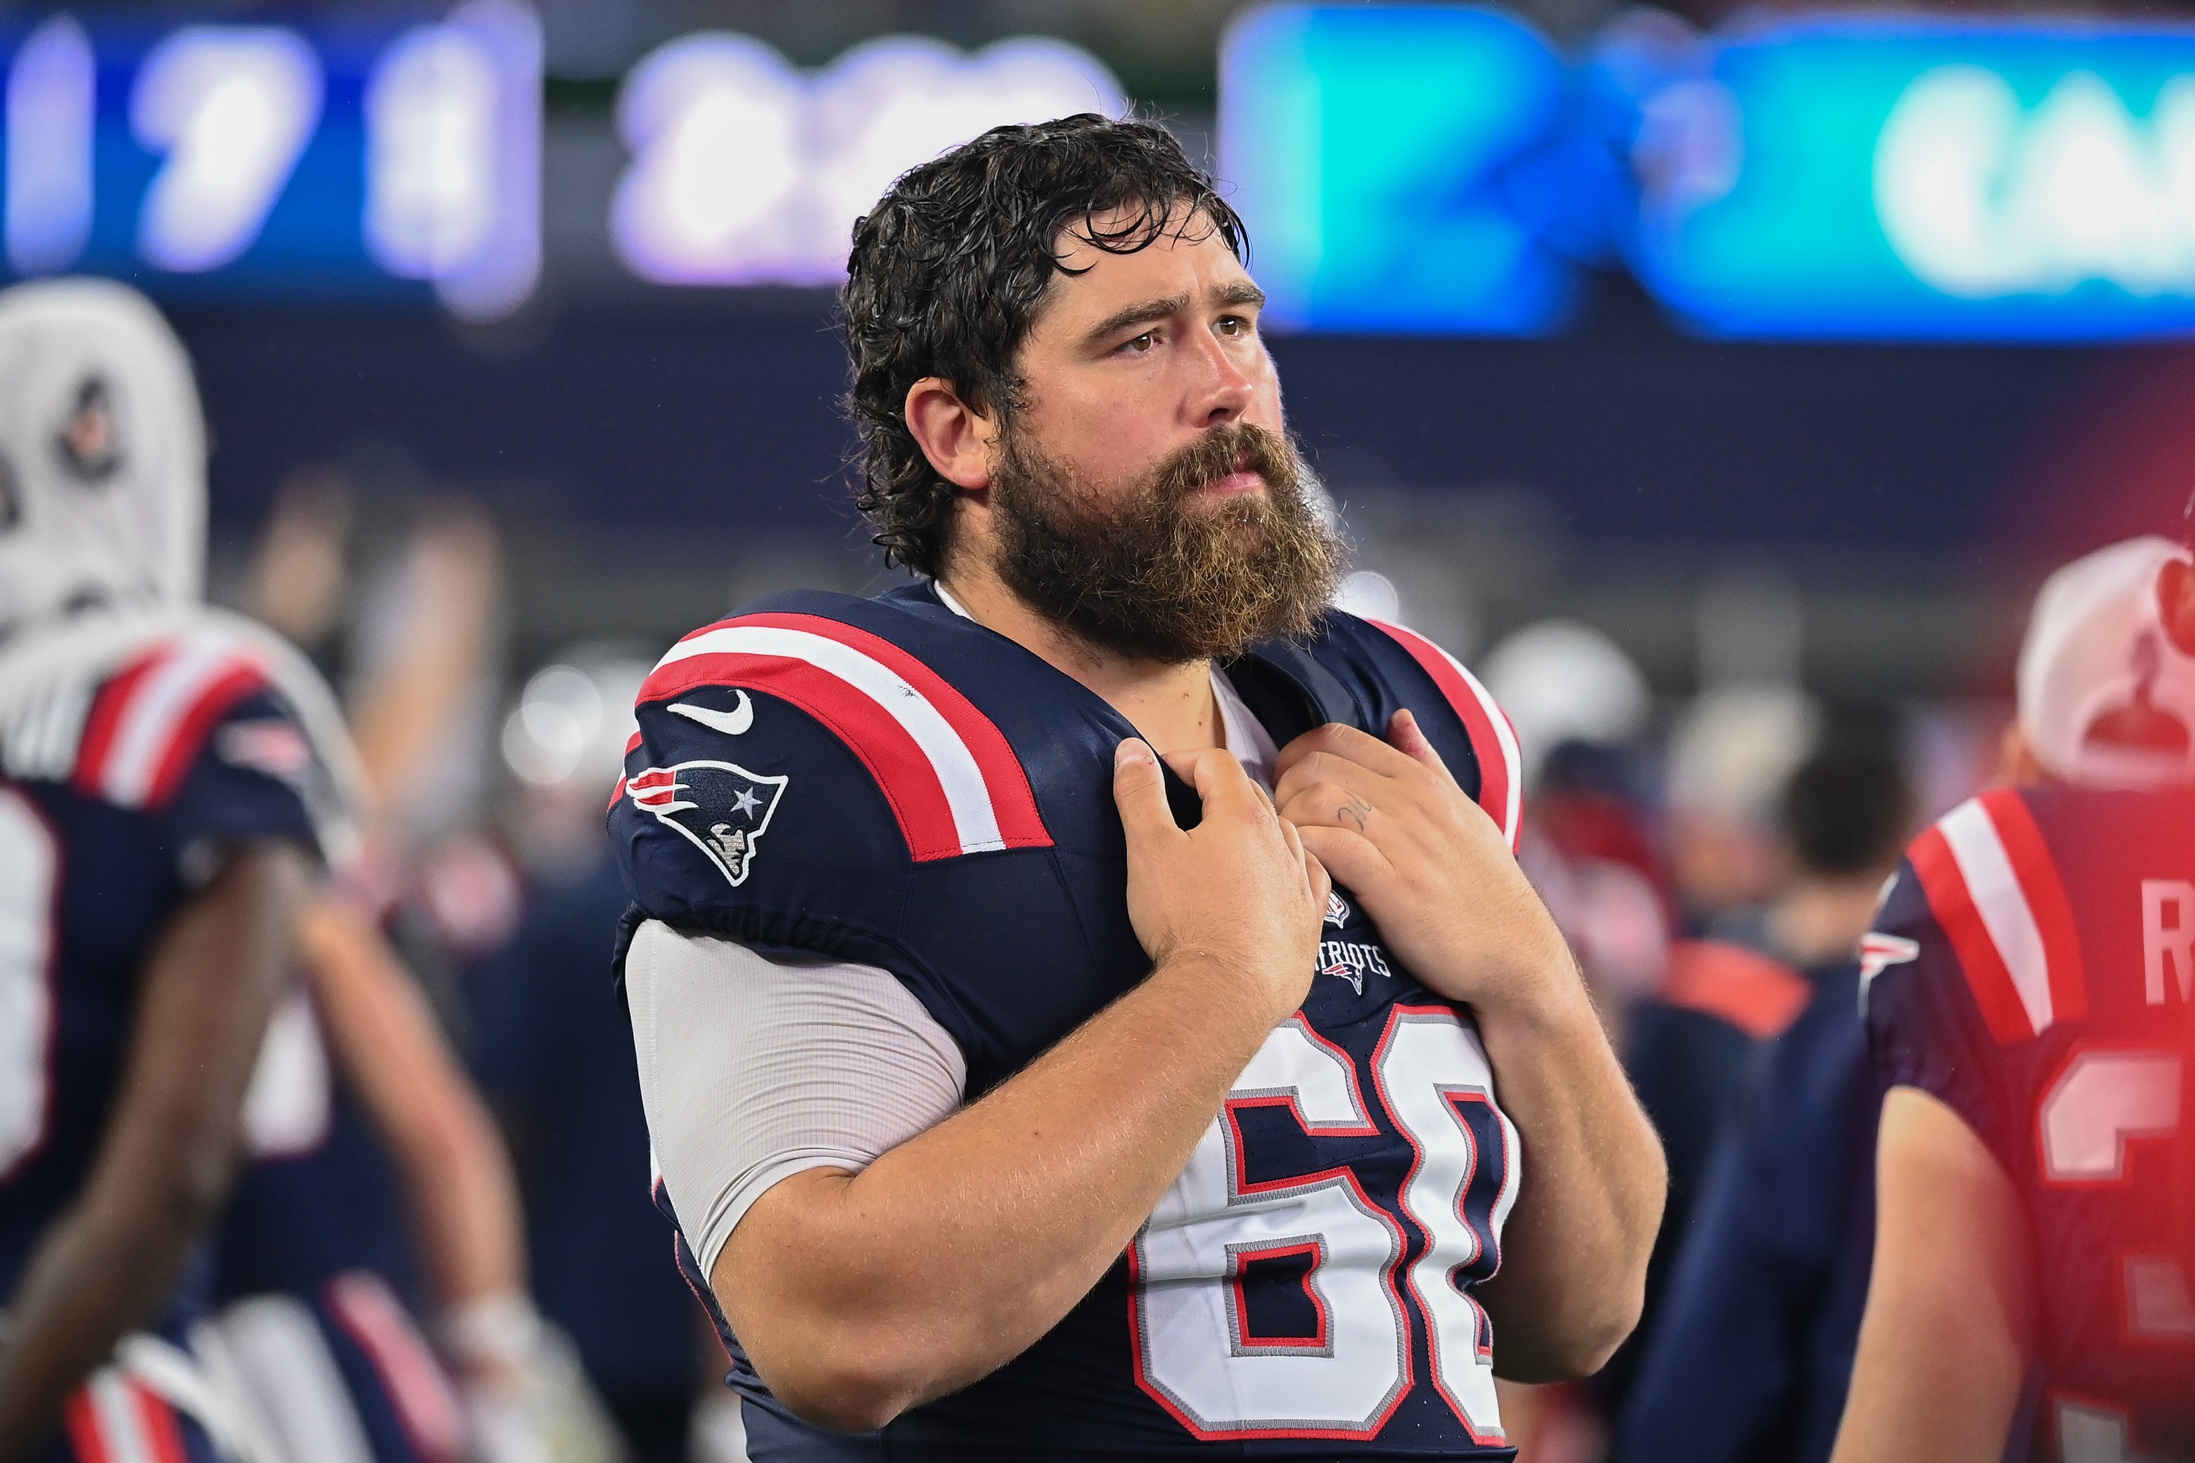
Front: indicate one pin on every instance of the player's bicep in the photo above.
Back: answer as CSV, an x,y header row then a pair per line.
x,y
756,1068
1951,1302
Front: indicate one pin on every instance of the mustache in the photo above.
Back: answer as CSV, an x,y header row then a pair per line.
x,y
1222,452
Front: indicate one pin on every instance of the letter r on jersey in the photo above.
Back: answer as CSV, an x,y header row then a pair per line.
x,y
2168,937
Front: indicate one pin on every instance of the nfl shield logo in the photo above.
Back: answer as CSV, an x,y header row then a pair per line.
x,y
719,807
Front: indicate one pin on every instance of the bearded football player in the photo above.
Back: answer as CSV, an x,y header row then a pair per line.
x,y
1086,1002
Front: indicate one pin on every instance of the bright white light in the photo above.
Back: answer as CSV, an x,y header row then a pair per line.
x,y
712,123
1370,596
745,172
496,129
430,153
555,723
1981,199
232,107
50,106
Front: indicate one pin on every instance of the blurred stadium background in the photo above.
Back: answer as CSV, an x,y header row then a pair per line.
x,y
1775,355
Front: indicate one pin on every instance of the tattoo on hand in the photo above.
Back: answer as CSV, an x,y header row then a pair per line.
x,y
1355,811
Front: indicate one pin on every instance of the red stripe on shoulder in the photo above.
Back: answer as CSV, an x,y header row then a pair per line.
x,y
898,766
1493,740
196,724
1950,901
1759,996
2037,871
105,719
1013,802
163,1429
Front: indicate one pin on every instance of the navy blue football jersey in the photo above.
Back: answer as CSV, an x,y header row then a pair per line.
x,y
2036,960
885,782
117,791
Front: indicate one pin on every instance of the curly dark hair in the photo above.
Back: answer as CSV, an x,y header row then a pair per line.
x,y
952,265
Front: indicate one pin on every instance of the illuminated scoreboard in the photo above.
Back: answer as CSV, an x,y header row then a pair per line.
x,y
1919,177
330,158
744,170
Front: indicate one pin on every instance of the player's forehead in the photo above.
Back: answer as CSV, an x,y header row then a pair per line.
x,y
1188,260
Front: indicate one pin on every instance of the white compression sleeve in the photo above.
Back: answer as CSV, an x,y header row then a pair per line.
x,y
754,1068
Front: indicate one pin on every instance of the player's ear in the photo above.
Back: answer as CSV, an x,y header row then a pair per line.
x,y
953,435
2176,603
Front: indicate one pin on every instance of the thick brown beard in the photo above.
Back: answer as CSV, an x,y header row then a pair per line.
x,y
1155,577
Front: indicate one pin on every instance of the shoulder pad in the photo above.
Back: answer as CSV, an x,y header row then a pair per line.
x,y
146,724
1983,878
807,762
1414,666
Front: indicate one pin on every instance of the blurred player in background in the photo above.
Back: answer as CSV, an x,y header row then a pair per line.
x,y
1002,1115
2030,1018
555,1057
1751,1352
172,775
372,1146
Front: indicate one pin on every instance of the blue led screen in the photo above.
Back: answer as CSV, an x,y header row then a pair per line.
x,y
1923,179
318,158
1382,159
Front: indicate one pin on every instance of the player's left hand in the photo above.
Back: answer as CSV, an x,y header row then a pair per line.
x,y
1431,868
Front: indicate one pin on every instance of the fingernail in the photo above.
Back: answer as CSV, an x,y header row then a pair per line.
x,y
1130,751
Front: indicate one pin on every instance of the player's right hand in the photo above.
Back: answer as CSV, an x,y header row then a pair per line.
x,y
1238,893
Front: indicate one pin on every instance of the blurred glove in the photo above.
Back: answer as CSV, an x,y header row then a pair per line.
x,y
525,1398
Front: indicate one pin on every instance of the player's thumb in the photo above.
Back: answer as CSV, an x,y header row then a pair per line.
x,y
1139,788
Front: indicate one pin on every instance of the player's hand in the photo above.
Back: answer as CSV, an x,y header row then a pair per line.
x,y
1426,862
1238,893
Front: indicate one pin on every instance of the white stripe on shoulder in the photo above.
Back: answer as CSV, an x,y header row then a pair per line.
x,y
975,820
41,736
2002,904
155,712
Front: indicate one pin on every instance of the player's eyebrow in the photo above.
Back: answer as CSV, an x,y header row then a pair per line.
x,y
1241,292
1141,313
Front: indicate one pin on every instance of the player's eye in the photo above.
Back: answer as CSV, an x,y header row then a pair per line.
x,y
1141,344
1233,325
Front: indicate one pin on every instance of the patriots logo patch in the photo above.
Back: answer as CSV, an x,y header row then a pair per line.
x,y
719,807
1879,951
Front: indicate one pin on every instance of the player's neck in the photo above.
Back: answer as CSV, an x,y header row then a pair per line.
x,y
1172,705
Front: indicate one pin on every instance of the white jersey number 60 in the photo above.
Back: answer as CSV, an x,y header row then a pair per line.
x,y
1193,1344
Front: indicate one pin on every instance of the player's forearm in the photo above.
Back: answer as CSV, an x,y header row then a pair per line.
x,y
1573,1271
464,1209
457,1177
860,1296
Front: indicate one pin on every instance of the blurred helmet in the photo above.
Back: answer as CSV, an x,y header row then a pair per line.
x,y
2104,698
102,453
574,717
1561,681
1736,747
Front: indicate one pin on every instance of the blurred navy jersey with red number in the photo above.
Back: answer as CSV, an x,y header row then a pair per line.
x,y
881,781
2037,964
121,791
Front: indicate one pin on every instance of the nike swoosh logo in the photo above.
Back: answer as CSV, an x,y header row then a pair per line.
x,y
731,722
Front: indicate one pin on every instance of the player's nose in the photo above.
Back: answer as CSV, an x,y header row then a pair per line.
x,y
1222,388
